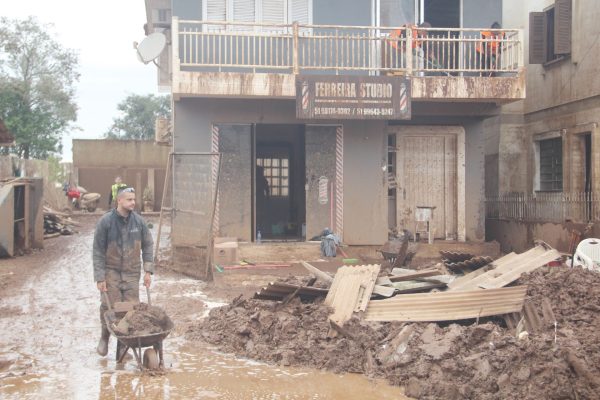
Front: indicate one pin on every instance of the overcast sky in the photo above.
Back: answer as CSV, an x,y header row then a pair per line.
x,y
103,33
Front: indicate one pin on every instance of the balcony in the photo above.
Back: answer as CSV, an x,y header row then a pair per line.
x,y
224,59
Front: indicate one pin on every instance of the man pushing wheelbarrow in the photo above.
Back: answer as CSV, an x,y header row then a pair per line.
x,y
120,238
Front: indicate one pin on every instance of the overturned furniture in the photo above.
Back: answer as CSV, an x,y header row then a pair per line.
x,y
21,213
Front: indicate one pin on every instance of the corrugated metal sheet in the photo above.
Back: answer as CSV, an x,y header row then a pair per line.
x,y
447,306
507,269
351,290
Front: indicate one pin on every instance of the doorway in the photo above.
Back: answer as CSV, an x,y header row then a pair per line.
x,y
279,182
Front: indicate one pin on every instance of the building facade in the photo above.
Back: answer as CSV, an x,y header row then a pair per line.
x,y
543,153
335,113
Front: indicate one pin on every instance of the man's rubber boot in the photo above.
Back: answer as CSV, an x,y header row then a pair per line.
x,y
102,348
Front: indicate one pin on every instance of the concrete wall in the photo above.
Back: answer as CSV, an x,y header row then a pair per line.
x,y
140,163
474,180
365,199
122,153
519,236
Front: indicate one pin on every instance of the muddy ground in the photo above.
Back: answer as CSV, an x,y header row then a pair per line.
x,y
466,360
50,328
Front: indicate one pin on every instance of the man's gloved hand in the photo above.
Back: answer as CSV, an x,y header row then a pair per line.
x,y
101,286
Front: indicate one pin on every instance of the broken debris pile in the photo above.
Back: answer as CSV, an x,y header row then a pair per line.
x,y
143,320
477,356
57,223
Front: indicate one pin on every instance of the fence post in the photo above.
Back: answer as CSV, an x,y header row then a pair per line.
x,y
408,50
295,30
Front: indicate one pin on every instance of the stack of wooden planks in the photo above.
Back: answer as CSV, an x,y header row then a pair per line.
x,y
57,223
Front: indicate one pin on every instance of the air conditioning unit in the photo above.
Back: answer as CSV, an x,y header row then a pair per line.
x,y
162,131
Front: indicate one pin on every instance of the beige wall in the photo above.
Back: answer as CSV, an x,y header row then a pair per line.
x,y
140,163
119,153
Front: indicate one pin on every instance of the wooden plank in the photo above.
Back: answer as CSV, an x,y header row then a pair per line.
x,y
325,277
447,306
415,275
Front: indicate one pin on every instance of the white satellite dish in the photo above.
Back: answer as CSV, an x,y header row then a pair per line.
x,y
151,47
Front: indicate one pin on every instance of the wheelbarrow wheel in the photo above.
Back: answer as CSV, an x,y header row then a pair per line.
x,y
150,359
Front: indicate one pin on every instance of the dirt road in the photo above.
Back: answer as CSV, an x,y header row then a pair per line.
x,y
49,324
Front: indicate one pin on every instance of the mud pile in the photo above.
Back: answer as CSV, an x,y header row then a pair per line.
x,y
296,334
455,361
143,320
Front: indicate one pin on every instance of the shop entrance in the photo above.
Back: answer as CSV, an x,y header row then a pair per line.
x,y
279,182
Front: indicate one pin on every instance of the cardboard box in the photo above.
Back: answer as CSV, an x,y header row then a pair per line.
x,y
225,251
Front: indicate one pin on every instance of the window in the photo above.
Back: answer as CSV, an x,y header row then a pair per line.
x,y
550,33
277,173
265,11
550,168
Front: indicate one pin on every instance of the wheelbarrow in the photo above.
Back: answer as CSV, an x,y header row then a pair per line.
x,y
152,357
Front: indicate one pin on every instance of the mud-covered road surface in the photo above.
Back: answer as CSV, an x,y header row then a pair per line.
x,y
49,329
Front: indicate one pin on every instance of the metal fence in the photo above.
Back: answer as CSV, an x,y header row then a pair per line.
x,y
297,48
545,207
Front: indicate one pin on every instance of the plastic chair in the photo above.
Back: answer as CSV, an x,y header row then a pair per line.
x,y
587,254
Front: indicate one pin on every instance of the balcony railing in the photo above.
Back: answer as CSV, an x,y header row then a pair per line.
x,y
545,207
297,48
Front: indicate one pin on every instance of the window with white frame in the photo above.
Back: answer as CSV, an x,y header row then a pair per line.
x,y
258,11
277,173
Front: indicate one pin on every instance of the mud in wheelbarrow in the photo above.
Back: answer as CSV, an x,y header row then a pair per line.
x,y
152,357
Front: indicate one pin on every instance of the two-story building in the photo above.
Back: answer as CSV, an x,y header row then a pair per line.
x,y
338,113
543,153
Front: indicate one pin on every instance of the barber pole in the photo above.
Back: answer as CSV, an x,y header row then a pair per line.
x,y
403,98
339,181
215,170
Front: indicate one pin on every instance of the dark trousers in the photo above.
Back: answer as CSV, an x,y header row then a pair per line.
x,y
121,286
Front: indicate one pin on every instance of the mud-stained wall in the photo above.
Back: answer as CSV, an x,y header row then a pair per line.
x,y
365,199
520,236
474,181
96,163
121,153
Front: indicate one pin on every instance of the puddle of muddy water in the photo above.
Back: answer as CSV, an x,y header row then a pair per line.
x,y
48,348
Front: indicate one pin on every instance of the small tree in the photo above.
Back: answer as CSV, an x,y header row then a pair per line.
x,y
37,78
137,116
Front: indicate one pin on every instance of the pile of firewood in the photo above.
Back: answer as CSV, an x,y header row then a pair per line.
x,y
57,223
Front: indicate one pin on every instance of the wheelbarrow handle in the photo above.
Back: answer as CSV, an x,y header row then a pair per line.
x,y
148,294
106,299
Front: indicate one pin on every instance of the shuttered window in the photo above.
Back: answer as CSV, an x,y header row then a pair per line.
x,y
216,10
550,165
274,12
299,11
244,10
562,27
265,11
550,33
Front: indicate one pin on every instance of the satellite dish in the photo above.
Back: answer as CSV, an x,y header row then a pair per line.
x,y
151,47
